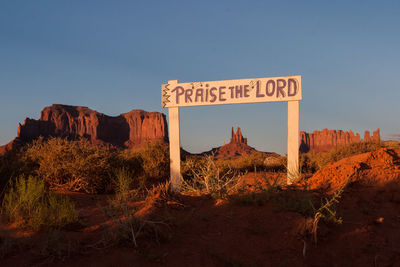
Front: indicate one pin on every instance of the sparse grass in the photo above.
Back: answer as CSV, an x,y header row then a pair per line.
x,y
257,194
259,160
328,208
294,200
162,192
326,212
127,228
208,178
269,191
244,162
29,205
289,200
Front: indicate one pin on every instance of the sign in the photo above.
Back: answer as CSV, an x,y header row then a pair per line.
x,y
175,95
231,92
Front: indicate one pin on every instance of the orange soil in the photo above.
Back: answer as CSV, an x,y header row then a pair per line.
x,y
375,169
207,232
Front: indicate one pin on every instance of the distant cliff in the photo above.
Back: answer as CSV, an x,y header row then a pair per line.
x,y
327,139
128,130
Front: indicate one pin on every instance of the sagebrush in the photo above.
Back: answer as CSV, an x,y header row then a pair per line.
x,y
78,165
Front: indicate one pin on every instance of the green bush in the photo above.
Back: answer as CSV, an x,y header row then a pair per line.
x,y
29,205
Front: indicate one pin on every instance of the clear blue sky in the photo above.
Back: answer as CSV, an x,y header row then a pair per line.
x,y
113,56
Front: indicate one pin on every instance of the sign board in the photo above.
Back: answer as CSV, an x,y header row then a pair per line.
x,y
175,95
231,92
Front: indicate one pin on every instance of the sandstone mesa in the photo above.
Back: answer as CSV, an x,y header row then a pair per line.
x,y
327,139
128,130
132,129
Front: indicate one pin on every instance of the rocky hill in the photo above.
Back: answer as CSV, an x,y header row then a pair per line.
x,y
128,130
327,139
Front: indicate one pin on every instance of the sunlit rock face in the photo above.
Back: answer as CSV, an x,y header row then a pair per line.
x,y
128,130
327,139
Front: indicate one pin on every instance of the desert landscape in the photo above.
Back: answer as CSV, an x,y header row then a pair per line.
x,y
199,133
82,193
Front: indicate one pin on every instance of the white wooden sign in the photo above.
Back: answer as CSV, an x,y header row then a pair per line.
x,y
231,91
175,95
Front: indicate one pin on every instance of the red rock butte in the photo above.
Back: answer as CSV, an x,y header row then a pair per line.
x,y
236,147
327,139
128,130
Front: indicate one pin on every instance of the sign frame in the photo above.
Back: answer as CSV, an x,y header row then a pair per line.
x,y
175,95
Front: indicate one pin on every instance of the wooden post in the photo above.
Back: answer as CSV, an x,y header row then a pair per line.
x,y
174,146
293,142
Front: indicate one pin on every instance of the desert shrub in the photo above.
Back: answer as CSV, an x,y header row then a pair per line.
x,y
155,160
312,162
29,205
208,178
131,161
78,165
75,165
190,163
150,162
